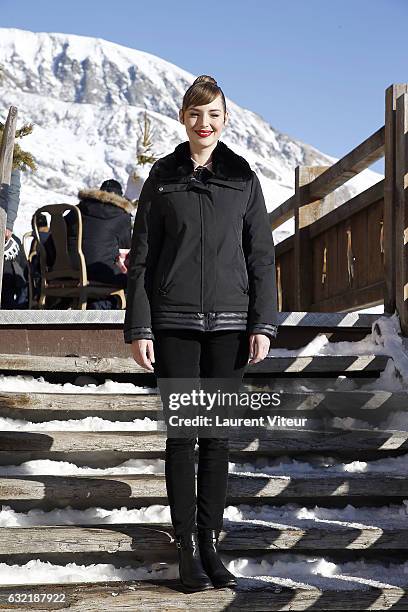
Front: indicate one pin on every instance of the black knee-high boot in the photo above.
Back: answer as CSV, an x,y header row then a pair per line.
x,y
212,564
192,574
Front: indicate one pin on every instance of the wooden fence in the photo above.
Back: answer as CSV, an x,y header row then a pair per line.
x,y
353,255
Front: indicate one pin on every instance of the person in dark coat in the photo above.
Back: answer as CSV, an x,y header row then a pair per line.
x,y
201,301
14,291
106,228
10,200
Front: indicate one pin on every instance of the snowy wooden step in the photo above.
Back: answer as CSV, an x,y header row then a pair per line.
x,y
271,365
92,318
38,407
159,538
252,440
320,363
251,593
135,491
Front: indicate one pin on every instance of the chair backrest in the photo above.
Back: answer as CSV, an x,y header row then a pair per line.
x,y
29,242
67,263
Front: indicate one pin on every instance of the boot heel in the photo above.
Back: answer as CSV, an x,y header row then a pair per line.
x,y
192,574
212,564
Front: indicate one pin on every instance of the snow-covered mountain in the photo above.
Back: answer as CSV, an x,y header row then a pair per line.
x,y
87,99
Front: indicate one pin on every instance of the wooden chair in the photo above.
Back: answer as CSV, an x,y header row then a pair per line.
x,y
62,279
30,250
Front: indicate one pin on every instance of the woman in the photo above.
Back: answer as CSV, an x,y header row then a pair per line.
x,y
201,299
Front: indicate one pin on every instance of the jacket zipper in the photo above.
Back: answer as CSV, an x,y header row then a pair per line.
x,y
202,252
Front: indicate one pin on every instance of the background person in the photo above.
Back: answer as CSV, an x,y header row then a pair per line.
x,y
106,230
10,200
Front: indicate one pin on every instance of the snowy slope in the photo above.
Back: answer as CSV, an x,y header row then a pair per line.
x,y
87,96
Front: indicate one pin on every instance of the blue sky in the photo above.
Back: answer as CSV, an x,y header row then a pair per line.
x,y
314,69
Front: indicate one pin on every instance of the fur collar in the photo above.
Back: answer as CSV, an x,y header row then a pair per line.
x,y
226,164
106,197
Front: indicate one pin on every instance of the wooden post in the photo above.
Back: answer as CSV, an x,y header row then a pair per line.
x,y
7,146
306,213
6,163
401,212
390,188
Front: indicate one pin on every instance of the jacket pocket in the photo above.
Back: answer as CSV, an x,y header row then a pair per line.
x,y
171,265
243,271
165,281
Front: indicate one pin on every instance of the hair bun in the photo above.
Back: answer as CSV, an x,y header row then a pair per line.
x,y
204,78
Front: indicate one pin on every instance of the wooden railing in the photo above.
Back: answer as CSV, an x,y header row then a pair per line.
x,y
351,256
6,162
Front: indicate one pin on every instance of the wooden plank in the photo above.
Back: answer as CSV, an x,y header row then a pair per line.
x,y
320,289
357,160
332,363
360,158
285,246
256,440
390,192
49,406
252,593
39,363
284,267
104,341
333,280
7,146
109,343
64,320
282,213
135,491
159,538
401,213
343,285
342,213
364,297
304,217
359,232
328,320
375,243
68,405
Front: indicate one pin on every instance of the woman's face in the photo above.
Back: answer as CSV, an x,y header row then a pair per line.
x,y
205,123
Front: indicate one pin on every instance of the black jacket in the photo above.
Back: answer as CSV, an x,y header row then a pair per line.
x,y
202,254
106,228
14,291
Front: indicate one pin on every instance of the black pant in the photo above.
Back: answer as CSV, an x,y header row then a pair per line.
x,y
194,354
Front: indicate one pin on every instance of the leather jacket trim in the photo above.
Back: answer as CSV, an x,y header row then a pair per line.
x,y
138,333
200,321
269,330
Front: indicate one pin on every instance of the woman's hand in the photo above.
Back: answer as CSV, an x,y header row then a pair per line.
x,y
143,353
258,347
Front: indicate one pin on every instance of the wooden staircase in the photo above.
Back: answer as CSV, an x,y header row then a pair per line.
x,y
333,385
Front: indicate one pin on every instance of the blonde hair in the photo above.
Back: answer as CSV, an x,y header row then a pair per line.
x,y
203,91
